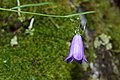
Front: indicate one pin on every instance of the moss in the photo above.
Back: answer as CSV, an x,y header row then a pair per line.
x,y
36,57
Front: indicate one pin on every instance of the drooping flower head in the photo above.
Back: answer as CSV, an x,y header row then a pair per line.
x,y
76,50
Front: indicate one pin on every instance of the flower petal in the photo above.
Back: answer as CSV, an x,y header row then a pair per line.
x,y
69,59
84,58
78,49
79,61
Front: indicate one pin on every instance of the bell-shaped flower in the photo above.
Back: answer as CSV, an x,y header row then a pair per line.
x,y
76,50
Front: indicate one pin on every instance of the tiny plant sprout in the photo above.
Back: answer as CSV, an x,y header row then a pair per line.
x,y
14,41
30,30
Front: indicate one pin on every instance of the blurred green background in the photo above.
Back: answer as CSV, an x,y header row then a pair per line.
x,y
41,56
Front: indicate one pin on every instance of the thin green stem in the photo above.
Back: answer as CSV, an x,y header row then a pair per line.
x,y
29,5
18,3
40,14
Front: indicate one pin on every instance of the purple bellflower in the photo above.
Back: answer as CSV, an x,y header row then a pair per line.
x,y
76,50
